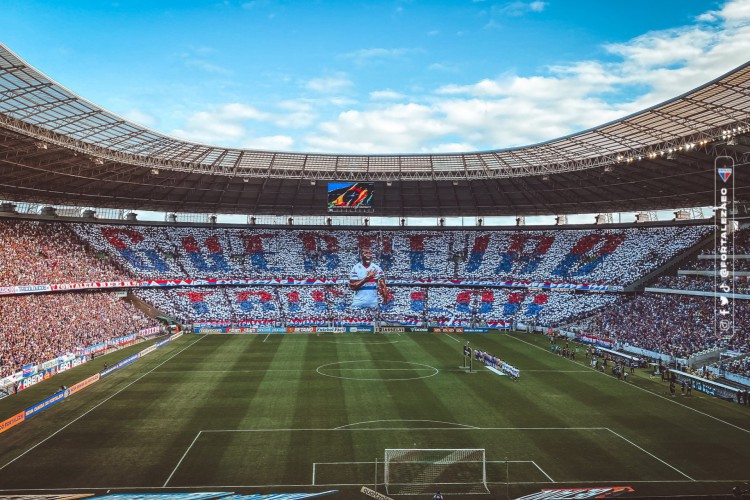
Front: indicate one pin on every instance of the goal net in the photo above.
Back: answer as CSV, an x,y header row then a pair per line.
x,y
416,471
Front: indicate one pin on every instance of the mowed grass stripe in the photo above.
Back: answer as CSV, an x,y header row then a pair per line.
x,y
364,400
231,401
479,400
428,399
382,398
659,423
105,445
579,427
541,402
315,398
22,437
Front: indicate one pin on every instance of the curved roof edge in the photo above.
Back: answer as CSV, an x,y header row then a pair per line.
x,y
39,107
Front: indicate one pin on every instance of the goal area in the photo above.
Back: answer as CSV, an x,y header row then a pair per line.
x,y
413,471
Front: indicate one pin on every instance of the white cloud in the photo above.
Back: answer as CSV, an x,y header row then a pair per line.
x,y
270,143
736,12
368,56
505,111
227,124
198,58
446,67
295,114
516,110
663,48
397,128
449,147
330,84
516,9
386,95
207,66
140,117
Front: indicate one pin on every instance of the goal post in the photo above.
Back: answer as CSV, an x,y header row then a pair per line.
x,y
414,471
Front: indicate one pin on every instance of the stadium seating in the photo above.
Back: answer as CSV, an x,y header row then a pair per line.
x,y
46,252
616,257
37,328
740,365
701,283
323,305
672,324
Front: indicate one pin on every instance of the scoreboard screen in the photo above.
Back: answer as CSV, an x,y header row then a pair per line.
x,y
346,196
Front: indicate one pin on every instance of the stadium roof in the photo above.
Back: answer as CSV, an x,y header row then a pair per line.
x,y
58,148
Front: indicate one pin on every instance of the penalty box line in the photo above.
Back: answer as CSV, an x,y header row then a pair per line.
x,y
380,429
181,459
650,454
315,464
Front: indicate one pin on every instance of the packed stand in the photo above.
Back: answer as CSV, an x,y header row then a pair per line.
x,y
35,253
601,256
38,328
738,243
676,325
703,271
407,305
733,264
738,284
739,365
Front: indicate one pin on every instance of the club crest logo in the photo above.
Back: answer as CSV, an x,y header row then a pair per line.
x,y
724,173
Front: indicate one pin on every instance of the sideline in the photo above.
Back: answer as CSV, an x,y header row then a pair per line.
x,y
100,403
644,390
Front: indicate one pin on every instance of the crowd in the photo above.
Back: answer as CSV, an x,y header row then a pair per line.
x,y
709,260
739,365
601,256
36,253
38,328
406,305
738,243
713,264
699,283
677,325
44,252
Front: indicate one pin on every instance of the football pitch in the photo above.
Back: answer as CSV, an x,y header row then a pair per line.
x,y
262,414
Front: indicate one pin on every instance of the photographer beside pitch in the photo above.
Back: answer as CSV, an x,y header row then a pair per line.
x,y
367,280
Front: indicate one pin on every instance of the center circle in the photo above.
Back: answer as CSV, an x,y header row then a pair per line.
x,y
371,369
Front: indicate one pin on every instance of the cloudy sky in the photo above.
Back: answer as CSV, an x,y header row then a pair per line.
x,y
404,76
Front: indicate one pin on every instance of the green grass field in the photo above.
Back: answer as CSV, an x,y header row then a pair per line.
x,y
290,413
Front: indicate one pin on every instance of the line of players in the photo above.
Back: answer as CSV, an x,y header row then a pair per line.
x,y
494,362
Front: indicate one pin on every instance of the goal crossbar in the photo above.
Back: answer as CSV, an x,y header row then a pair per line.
x,y
417,470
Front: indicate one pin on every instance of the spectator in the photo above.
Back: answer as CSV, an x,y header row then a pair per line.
x,y
677,325
37,253
38,328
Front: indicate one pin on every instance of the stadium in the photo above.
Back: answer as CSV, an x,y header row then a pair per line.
x,y
599,359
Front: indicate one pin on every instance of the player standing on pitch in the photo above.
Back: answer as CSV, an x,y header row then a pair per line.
x,y
368,281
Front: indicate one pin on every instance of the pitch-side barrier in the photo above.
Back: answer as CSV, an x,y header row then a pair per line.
x,y
66,392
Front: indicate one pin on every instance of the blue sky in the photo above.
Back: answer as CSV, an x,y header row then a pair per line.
x,y
377,77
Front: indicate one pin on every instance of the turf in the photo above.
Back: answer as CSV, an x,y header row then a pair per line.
x,y
286,413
